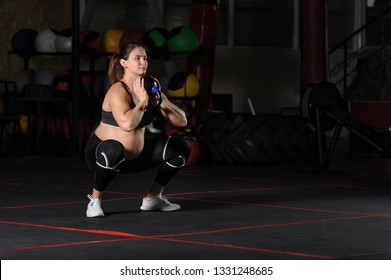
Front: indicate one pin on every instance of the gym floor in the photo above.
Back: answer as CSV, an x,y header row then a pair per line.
x,y
228,212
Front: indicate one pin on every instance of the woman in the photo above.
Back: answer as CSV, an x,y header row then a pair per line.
x,y
118,144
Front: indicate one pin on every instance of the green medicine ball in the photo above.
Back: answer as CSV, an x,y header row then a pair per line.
x,y
155,41
182,39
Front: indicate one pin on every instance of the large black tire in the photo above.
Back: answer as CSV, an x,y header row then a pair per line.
x,y
263,139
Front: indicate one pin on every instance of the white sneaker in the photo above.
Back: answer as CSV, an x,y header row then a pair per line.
x,y
94,209
158,203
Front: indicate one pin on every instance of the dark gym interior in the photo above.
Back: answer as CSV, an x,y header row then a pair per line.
x,y
289,119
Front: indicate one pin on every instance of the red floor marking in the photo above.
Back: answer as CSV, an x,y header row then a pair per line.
x,y
135,196
311,184
137,237
62,203
230,246
37,205
106,232
206,192
228,191
167,236
275,225
202,200
65,245
271,206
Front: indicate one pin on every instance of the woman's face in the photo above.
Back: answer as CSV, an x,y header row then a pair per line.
x,y
137,62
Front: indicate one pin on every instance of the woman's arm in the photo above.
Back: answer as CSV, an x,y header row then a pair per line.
x,y
172,113
128,119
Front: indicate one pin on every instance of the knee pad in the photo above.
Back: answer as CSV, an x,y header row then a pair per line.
x,y
176,151
110,154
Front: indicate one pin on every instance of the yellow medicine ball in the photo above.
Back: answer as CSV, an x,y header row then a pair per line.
x,y
109,40
183,84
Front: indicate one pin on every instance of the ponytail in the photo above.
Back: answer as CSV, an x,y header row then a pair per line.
x,y
115,71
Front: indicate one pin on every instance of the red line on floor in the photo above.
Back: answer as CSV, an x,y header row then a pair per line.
x,y
271,206
49,246
307,184
137,237
106,232
166,237
201,200
37,205
230,246
275,225
134,196
228,191
62,203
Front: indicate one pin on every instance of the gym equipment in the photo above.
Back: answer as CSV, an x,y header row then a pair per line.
x,y
109,40
155,42
63,41
23,42
182,39
323,94
11,115
89,44
153,89
135,35
324,109
63,81
45,41
45,76
183,84
263,139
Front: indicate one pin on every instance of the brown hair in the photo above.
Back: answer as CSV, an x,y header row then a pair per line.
x,y
116,71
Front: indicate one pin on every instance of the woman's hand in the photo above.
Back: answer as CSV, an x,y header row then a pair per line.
x,y
140,92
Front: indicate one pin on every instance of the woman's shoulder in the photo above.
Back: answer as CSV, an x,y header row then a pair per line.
x,y
117,87
115,94
115,91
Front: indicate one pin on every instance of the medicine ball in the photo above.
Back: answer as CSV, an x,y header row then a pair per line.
x,y
155,42
88,41
45,41
63,41
63,81
23,42
45,76
183,84
109,40
182,39
135,35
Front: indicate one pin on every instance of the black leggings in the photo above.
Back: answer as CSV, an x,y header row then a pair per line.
x,y
107,158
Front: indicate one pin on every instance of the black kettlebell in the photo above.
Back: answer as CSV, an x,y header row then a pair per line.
x,y
152,87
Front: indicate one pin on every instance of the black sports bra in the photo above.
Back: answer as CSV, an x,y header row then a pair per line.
x,y
108,118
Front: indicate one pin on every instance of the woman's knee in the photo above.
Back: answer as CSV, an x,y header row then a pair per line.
x,y
110,154
177,151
